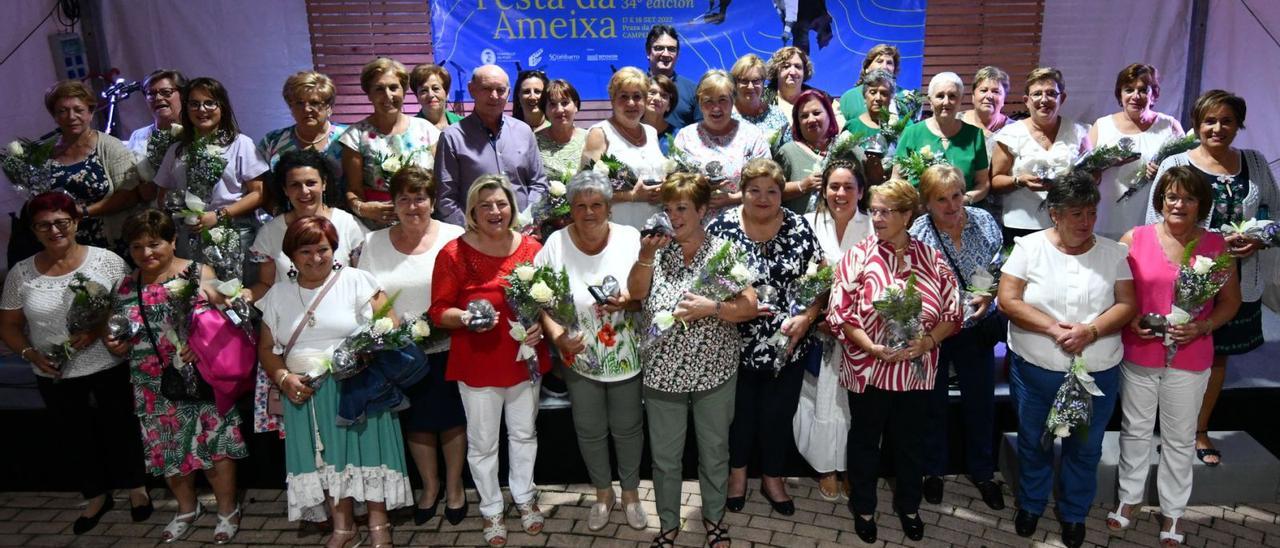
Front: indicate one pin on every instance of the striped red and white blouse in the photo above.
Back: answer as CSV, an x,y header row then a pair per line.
x,y
860,278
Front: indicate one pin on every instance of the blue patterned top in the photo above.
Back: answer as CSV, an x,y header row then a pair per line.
x,y
980,246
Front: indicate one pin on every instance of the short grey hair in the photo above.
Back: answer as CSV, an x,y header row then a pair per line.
x,y
943,78
879,77
587,182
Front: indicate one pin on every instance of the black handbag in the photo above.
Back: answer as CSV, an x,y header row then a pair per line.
x,y
184,384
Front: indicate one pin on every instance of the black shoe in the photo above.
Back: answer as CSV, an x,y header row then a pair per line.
x,y
865,528
932,488
141,513
1025,523
85,524
423,515
912,527
991,494
736,504
455,515
1072,534
784,507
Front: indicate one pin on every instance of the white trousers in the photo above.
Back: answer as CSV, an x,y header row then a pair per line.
x,y
1176,395
484,408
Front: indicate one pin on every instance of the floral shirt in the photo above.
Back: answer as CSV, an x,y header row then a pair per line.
x,y
773,122
980,244
693,357
733,151
861,278
778,262
559,159
87,183
276,142
416,145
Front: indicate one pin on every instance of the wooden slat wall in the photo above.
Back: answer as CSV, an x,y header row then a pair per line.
x,y
964,35
346,34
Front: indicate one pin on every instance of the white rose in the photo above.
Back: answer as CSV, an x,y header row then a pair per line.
x,y
523,219
812,270
981,281
664,320
175,286
1201,265
1062,431
740,273
556,188
213,150
191,220
525,272
382,325
926,152
15,148
316,363
230,288
392,164
1178,316
670,166
218,234
601,168
175,129
421,329
542,293
193,202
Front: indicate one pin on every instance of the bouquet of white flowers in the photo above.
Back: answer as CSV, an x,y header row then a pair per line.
x,y
725,276
237,308
206,160
1199,280
1072,406
805,291
914,164
619,174
223,250
1172,147
1108,156
530,290
551,211
26,163
157,145
900,306
90,304
354,353
1252,228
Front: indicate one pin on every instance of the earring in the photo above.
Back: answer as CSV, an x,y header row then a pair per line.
x,y
336,265
292,273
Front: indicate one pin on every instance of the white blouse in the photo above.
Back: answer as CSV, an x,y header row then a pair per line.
x,y
1022,206
1069,288
44,301
833,248
269,243
406,276
1116,218
344,309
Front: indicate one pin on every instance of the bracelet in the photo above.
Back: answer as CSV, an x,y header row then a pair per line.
x,y
220,213
23,354
644,264
284,374
718,303
1094,329
1017,182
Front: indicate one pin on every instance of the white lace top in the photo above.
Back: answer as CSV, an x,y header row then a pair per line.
x,y
645,161
44,301
1114,219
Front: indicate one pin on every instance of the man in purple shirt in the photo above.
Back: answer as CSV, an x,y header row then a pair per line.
x,y
486,141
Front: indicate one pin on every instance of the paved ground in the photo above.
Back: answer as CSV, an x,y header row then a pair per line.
x,y
44,519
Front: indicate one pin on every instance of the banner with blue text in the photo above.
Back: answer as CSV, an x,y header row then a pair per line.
x,y
583,41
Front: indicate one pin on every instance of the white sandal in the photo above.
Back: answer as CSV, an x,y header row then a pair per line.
x,y
1119,518
1171,534
225,527
530,517
495,530
180,526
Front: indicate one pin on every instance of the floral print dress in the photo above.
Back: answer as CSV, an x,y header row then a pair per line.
x,y
87,183
381,153
177,437
778,262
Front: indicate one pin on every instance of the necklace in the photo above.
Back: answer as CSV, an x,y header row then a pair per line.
x,y
322,135
629,133
310,313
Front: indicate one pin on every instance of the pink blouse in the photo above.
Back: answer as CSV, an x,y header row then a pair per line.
x,y
1153,278
861,277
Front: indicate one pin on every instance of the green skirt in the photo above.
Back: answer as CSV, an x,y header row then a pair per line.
x,y
365,461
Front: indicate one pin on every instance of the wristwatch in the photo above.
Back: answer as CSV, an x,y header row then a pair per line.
x,y
1017,182
220,213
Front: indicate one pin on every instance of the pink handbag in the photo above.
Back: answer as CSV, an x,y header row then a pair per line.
x,y
227,356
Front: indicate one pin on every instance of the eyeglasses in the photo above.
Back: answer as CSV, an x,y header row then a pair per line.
x,y
208,104
878,212
1050,94
751,83
1173,199
313,105
412,200
47,226
164,93
668,49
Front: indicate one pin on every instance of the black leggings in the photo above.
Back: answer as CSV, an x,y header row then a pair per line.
x,y
763,407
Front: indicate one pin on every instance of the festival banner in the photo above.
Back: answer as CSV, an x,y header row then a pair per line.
x,y
584,41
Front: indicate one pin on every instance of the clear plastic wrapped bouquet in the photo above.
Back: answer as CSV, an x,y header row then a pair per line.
x,y
900,306
1072,406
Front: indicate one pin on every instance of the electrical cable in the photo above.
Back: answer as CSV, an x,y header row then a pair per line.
x,y
1259,20
33,31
